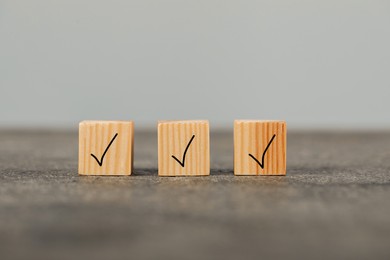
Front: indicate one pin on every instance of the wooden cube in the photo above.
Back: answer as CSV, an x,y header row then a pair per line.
x,y
106,147
183,148
259,147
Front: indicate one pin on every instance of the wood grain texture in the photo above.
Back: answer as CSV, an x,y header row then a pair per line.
x,y
95,137
253,137
173,139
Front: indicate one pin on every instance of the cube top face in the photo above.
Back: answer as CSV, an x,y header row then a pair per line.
x,y
106,147
105,122
183,121
257,121
259,147
183,148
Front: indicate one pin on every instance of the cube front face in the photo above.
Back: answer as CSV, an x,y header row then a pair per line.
x,y
183,148
106,147
259,147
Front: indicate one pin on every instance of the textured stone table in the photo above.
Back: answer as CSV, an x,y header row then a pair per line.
x,y
334,202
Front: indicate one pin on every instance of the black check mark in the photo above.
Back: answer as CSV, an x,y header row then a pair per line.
x,y
184,155
105,151
262,158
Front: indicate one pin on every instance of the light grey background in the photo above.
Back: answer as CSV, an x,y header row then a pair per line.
x,y
316,64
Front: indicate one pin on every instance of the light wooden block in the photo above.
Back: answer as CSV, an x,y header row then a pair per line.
x,y
251,155
111,142
187,141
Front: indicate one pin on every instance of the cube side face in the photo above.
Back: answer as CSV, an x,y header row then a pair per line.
x,y
95,137
173,139
251,139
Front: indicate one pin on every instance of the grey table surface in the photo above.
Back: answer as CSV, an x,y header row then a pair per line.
x,y
333,203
